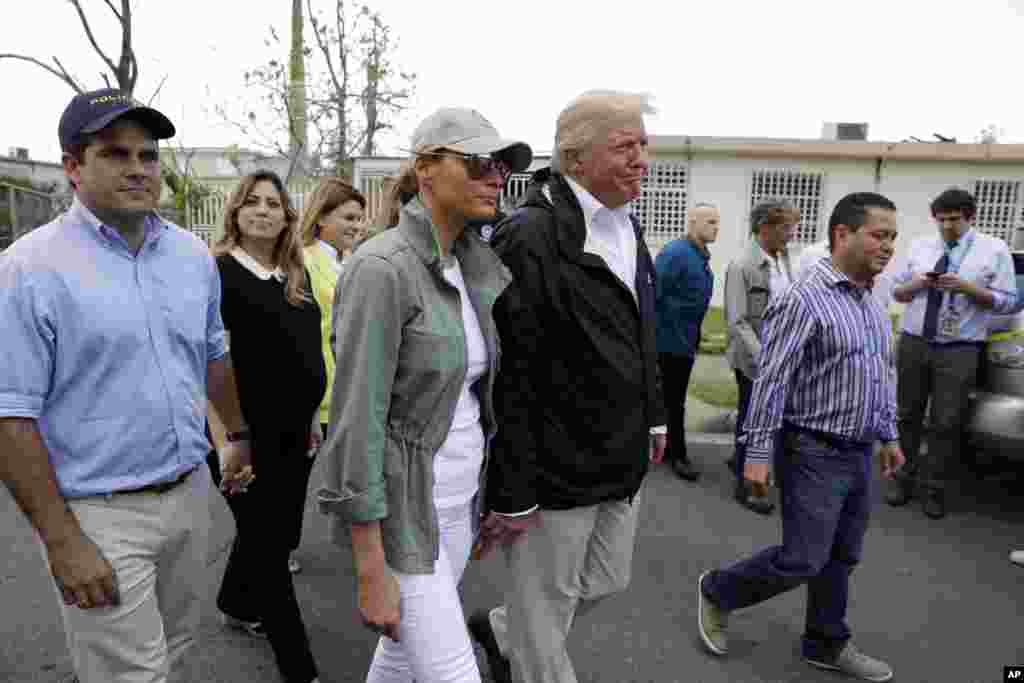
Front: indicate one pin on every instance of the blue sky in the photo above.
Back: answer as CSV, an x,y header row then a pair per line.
x,y
729,67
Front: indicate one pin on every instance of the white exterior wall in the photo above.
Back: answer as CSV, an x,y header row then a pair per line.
x,y
726,181
42,172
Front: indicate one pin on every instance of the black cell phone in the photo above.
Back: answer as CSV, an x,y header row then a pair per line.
x,y
932,274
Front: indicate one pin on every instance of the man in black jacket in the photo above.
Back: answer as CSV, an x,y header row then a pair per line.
x,y
579,389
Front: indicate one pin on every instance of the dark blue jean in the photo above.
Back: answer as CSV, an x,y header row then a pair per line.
x,y
825,491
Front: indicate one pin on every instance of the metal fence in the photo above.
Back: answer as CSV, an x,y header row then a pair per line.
x,y
22,209
206,217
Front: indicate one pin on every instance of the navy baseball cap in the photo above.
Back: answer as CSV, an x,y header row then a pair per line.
x,y
93,111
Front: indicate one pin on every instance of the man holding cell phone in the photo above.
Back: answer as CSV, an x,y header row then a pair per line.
x,y
952,285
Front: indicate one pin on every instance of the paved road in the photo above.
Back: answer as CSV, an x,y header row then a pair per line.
x,y
939,600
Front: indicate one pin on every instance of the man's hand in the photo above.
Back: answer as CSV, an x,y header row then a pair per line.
x,y
380,602
890,459
659,444
83,575
757,474
502,529
236,467
951,282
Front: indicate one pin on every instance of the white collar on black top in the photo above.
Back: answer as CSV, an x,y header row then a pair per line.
x,y
255,267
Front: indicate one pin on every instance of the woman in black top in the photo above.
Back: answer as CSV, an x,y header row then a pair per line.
x,y
274,330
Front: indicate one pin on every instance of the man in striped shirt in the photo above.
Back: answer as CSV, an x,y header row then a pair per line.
x,y
825,390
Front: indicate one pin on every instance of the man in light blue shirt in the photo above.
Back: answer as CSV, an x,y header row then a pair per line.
x,y
952,284
112,343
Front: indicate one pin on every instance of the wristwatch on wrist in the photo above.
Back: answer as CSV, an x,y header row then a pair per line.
x,y
235,437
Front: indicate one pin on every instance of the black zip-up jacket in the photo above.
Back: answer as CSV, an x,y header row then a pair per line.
x,y
579,385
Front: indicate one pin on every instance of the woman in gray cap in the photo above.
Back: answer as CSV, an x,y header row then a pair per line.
x,y
411,413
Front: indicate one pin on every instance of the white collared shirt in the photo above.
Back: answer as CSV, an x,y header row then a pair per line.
x,y
333,253
255,267
609,234
981,259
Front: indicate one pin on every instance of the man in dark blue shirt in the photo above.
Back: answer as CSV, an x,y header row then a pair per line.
x,y
684,289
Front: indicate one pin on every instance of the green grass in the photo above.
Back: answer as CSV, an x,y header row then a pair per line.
x,y
712,332
718,394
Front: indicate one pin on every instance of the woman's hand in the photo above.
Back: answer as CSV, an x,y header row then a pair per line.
x,y
236,467
380,603
316,436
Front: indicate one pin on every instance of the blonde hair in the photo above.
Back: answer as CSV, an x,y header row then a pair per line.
x,y
329,195
399,190
287,250
591,115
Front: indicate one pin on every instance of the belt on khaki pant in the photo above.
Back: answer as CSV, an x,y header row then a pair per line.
x,y
159,487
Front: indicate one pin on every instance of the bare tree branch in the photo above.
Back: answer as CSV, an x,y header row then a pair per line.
x,y
91,37
128,68
157,91
67,75
113,9
62,74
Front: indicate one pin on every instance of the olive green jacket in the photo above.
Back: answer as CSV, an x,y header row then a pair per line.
x,y
400,353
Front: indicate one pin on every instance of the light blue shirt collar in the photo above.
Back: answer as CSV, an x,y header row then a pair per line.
x,y
82,214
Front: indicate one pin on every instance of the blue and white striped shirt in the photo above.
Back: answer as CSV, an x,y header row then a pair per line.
x,y
826,364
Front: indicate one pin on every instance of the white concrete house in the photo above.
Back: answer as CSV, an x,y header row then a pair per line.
x,y
735,173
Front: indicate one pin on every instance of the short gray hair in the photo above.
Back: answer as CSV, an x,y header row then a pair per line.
x,y
589,115
772,211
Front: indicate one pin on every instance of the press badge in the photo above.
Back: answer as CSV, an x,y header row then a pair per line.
x,y
950,325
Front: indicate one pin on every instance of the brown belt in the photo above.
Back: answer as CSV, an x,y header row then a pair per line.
x,y
159,487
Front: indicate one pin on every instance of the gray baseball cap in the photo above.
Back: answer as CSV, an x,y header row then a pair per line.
x,y
466,130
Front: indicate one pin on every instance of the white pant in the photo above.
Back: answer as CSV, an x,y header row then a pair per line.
x,y
435,645
157,544
559,570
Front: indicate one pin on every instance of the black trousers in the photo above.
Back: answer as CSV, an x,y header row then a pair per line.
x,y
257,585
746,386
675,378
946,373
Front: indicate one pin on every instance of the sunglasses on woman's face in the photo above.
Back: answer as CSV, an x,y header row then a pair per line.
x,y
477,167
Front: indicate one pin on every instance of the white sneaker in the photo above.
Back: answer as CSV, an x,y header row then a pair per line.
x,y
293,565
1017,557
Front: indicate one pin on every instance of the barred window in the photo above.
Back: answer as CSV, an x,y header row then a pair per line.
x,y
999,207
515,190
661,206
803,188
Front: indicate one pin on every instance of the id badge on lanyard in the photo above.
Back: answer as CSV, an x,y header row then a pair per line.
x,y
952,314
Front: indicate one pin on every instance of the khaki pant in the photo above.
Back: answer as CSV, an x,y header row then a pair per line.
x,y
557,571
157,544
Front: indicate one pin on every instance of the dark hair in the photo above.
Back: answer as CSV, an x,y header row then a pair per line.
x,y
852,211
773,212
955,199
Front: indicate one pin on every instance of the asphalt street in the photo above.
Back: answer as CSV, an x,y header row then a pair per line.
x,y
939,600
